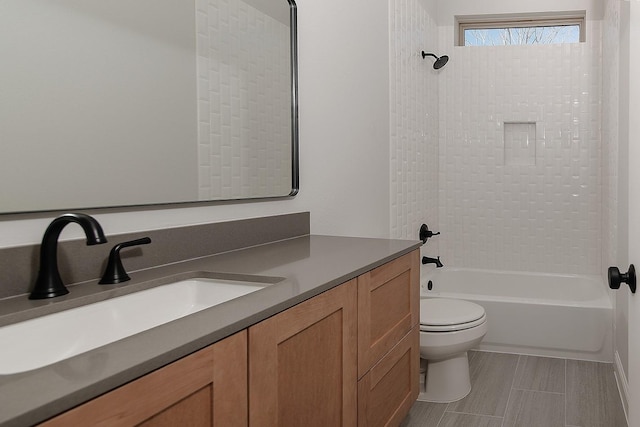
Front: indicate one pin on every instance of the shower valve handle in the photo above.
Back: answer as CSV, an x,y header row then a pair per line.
x,y
616,278
425,233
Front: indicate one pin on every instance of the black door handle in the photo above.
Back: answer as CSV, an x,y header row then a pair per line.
x,y
616,278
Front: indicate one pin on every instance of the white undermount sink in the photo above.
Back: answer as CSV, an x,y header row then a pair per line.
x,y
48,339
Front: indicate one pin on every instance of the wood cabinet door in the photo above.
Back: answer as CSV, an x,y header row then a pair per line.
x,y
387,391
206,388
302,363
388,307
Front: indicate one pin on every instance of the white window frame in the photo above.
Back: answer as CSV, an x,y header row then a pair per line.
x,y
519,21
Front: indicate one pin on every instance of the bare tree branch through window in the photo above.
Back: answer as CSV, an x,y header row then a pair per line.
x,y
522,35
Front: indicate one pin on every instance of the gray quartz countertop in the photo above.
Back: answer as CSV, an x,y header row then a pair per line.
x,y
298,269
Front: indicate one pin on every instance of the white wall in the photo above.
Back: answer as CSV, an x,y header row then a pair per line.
x,y
611,165
630,104
344,133
447,9
615,141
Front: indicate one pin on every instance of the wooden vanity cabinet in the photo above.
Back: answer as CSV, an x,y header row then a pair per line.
x,y
206,388
387,391
348,356
388,308
302,363
388,341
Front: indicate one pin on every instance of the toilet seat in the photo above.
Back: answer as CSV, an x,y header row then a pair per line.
x,y
446,315
453,328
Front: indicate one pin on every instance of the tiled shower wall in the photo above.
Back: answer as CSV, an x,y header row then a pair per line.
x,y
231,131
414,121
542,214
610,100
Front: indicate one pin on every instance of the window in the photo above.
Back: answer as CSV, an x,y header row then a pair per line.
x,y
522,30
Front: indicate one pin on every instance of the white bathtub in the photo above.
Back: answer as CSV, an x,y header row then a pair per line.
x,y
530,313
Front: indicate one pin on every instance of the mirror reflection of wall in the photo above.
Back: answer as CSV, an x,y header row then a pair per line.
x,y
244,101
125,103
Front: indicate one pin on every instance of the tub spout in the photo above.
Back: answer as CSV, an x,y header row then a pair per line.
x,y
436,261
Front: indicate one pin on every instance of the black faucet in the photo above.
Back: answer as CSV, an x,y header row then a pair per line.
x,y
49,284
436,261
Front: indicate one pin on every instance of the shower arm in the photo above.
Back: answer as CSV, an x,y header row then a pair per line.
x,y
424,55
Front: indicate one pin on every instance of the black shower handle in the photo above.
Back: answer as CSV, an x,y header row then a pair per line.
x,y
425,233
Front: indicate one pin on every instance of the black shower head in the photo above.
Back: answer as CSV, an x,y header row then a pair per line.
x,y
440,61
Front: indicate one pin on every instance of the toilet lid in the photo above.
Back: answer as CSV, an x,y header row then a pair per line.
x,y
445,314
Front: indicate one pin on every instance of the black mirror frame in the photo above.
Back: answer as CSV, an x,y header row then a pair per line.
x,y
295,160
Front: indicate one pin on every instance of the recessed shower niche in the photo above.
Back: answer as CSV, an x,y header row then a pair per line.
x,y
520,143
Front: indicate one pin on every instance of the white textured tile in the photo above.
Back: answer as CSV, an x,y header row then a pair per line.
x,y
610,117
520,143
243,143
543,216
414,122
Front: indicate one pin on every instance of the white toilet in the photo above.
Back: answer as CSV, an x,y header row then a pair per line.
x,y
448,328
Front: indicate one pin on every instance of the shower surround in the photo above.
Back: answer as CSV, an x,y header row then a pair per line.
x,y
501,204
413,121
542,211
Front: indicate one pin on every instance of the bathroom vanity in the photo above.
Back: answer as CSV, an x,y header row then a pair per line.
x,y
330,339
334,342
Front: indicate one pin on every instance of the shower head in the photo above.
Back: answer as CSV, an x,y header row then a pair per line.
x,y
440,61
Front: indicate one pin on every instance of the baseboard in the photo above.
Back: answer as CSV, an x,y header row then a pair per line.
x,y
623,384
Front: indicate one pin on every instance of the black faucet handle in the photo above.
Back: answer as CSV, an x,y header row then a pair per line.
x,y
136,242
425,233
115,272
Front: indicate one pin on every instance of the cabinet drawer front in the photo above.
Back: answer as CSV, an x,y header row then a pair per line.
x,y
388,307
387,391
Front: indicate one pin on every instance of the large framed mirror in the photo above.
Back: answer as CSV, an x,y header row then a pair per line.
x,y
126,103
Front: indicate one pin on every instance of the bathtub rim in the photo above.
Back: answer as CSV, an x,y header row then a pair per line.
x,y
603,300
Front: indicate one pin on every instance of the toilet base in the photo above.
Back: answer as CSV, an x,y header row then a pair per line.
x,y
447,380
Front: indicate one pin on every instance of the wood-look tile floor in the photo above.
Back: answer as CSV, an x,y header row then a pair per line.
x,y
510,390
